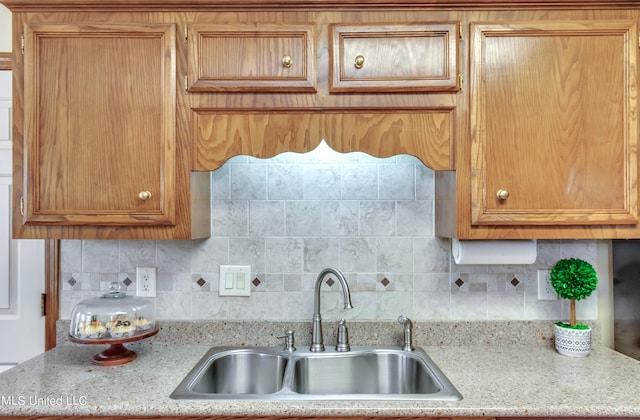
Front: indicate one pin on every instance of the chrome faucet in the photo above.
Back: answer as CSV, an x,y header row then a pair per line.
x,y
408,326
317,343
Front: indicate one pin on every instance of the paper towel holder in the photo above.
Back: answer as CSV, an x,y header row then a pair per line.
x,y
494,252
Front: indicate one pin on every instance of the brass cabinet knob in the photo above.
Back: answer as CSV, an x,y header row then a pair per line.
x,y
359,63
502,194
144,195
287,61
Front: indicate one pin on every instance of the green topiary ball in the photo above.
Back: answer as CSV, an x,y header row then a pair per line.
x,y
573,278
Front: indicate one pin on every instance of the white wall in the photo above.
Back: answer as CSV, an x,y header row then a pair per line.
x,y
5,29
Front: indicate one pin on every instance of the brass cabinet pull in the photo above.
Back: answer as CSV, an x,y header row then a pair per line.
x,y
502,194
359,63
287,61
144,195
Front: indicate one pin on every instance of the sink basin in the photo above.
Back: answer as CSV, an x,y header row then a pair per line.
x,y
270,373
375,372
251,373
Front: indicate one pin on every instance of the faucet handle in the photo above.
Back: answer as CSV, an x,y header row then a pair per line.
x,y
289,340
343,338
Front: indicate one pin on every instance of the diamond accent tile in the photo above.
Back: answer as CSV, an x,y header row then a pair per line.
x,y
127,281
459,282
201,282
72,281
256,282
514,282
385,282
330,282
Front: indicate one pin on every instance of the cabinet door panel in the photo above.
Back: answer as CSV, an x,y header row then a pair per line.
x,y
100,124
553,123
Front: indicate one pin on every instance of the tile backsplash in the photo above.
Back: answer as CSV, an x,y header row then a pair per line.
x,y
292,215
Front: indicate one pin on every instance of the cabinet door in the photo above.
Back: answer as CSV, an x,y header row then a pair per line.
x,y
99,124
394,58
251,58
554,123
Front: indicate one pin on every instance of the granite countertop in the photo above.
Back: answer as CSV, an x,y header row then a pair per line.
x,y
510,379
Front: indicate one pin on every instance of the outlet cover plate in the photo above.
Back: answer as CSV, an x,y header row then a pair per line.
x,y
545,289
146,282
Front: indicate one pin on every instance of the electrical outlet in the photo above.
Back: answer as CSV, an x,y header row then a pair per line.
x,y
146,281
545,289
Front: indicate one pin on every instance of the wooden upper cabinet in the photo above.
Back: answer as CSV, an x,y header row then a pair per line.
x,y
394,57
99,114
251,58
554,129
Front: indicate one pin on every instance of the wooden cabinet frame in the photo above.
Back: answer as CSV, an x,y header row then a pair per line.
x,y
456,195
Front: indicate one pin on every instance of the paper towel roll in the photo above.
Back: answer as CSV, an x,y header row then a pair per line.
x,y
504,252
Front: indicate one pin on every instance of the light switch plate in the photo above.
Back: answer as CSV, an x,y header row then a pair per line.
x,y
234,280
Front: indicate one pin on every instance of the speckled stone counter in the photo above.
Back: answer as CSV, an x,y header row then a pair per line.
x,y
511,379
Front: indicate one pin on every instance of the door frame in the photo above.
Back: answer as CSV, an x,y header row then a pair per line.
x,y
51,297
51,262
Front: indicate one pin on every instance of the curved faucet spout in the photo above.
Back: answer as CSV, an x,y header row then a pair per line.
x,y
317,342
341,280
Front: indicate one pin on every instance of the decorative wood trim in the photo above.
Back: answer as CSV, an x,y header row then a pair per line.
x,y
212,5
51,277
5,61
218,134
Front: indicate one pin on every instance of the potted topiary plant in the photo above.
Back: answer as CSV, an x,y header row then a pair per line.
x,y
573,279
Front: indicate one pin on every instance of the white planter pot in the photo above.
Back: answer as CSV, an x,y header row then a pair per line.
x,y
571,342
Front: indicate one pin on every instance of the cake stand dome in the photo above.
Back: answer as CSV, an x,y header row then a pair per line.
x,y
113,318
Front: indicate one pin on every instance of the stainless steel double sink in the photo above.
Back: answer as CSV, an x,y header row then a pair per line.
x,y
271,373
